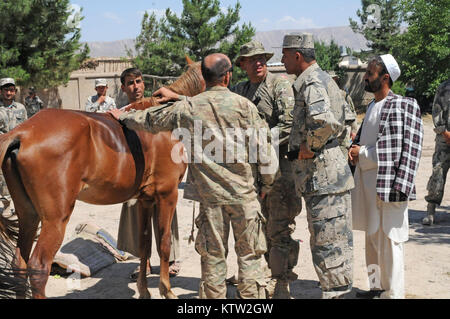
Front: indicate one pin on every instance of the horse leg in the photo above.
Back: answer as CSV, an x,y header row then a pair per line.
x,y
145,242
166,210
27,232
39,265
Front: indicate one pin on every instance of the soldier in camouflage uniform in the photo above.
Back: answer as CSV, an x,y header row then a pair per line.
x,y
12,114
33,103
323,177
100,102
351,124
441,157
273,96
226,190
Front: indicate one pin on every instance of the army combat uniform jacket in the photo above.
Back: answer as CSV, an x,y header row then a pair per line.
x,y
93,106
441,156
319,120
33,105
11,116
274,100
215,111
441,111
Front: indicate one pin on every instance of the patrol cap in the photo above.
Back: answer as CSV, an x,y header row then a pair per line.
x,y
298,41
253,48
100,82
392,66
32,89
6,81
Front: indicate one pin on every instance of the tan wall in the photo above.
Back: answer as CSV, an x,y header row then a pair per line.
x,y
81,85
74,95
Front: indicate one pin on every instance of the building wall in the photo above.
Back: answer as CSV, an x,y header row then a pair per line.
x,y
74,94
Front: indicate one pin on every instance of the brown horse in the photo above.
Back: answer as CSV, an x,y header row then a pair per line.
x,y
60,156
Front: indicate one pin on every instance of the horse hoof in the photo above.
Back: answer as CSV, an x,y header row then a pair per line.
x,y
171,295
145,295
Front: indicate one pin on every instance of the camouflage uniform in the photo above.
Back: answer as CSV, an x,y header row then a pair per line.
x,y
351,124
274,99
10,117
226,190
324,181
441,157
93,106
33,105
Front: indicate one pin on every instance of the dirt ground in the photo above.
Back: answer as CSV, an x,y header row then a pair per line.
x,y
427,252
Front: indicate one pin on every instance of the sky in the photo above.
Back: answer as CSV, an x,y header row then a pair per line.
x,y
111,20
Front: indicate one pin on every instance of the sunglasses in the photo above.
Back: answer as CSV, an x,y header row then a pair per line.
x,y
229,70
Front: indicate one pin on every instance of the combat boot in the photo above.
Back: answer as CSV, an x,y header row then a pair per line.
x,y
270,288
281,290
431,210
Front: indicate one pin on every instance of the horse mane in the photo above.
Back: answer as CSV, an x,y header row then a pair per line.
x,y
190,83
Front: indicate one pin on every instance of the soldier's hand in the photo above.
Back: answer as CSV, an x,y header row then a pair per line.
x,y
116,113
446,135
353,154
164,95
101,99
305,153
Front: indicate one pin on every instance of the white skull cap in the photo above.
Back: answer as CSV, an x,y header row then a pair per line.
x,y
391,66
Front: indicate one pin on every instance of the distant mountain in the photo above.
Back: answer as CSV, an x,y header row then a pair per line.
x,y
113,49
343,36
272,40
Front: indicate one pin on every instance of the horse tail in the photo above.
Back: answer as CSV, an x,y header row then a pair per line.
x,y
12,281
8,142
8,227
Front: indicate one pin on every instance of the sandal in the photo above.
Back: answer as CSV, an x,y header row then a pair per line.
x,y
174,268
134,275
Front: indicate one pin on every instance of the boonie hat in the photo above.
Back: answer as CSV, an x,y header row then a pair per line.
x,y
253,48
298,41
392,66
6,81
100,82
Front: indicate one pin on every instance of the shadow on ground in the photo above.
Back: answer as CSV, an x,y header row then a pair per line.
x,y
117,276
437,233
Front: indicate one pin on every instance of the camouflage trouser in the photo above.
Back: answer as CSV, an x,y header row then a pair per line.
x,y
441,164
330,225
3,188
211,243
280,208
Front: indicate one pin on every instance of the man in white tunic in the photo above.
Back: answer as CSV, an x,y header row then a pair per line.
x,y
386,153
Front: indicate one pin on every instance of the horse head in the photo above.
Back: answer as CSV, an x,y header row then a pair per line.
x,y
190,83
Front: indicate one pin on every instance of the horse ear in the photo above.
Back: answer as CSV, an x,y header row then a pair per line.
x,y
189,61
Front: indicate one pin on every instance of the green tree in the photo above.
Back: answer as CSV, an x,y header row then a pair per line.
x,y
423,50
201,29
39,44
380,23
328,56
